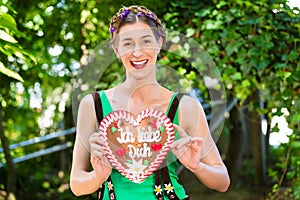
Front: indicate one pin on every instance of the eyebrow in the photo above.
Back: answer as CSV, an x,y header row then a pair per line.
x,y
145,36
127,39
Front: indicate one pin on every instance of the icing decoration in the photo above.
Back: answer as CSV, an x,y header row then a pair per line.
x,y
129,161
154,125
137,148
121,152
146,162
156,147
113,129
162,129
116,124
136,167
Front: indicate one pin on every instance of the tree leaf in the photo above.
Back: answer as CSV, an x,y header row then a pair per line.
x,y
7,21
6,37
190,32
21,53
246,83
236,76
10,73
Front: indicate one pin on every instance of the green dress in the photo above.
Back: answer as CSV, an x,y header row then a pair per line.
x,y
125,189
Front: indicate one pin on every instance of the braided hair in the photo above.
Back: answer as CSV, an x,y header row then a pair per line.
x,y
132,14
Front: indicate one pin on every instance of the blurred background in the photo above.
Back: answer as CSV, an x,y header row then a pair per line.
x,y
45,45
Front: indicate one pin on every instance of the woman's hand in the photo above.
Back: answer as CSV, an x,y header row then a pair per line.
x,y
187,149
100,164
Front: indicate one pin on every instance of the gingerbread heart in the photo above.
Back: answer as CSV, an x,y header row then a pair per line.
x,y
136,145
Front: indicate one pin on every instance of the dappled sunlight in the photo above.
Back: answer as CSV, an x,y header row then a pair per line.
x,y
283,133
53,53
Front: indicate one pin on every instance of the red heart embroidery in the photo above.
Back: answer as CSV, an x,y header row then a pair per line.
x,y
121,152
156,147
139,144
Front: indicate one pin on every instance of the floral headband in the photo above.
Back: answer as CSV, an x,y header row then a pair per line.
x,y
139,11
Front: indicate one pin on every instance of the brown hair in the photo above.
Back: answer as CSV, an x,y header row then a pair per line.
x,y
132,14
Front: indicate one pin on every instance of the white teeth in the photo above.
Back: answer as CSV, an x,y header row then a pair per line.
x,y
139,62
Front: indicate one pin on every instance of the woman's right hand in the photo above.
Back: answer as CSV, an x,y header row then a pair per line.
x,y
100,164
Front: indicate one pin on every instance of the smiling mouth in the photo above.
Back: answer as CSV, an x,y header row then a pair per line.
x,y
139,64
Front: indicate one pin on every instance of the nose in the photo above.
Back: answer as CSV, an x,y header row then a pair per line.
x,y
137,51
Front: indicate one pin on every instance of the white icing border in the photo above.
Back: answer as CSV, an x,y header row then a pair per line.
x,y
127,116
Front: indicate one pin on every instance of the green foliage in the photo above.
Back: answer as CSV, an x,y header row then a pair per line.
x,y
45,43
255,45
59,38
8,43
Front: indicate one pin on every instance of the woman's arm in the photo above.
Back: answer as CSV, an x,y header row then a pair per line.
x,y
196,149
87,150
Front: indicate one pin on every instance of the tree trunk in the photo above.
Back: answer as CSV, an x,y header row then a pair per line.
x,y
11,177
237,143
258,141
267,138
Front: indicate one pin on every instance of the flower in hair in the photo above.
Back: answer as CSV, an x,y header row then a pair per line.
x,y
151,15
124,14
139,14
112,29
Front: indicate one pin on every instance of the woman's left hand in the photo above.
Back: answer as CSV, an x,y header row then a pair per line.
x,y
187,149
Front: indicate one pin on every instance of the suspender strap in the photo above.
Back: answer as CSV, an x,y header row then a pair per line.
x,y
174,106
158,188
111,190
100,192
99,114
98,106
169,189
162,176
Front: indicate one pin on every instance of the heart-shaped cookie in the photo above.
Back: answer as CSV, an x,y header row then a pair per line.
x,y
136,145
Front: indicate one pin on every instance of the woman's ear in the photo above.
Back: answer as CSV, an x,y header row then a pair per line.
x,y
160,43
116,52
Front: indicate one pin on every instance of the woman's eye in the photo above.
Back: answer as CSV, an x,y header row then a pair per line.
x,y
127,44
146,41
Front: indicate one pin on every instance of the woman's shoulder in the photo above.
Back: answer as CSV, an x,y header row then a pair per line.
x,y
189,102
110,92
87,100
191,114
190,107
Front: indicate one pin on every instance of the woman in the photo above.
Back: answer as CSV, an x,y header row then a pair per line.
x,y
137,37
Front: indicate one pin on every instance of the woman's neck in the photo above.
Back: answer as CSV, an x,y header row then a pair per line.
x,y
140,90
141,86
136,96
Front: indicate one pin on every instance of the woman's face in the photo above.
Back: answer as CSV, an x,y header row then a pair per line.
x,y
137,47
